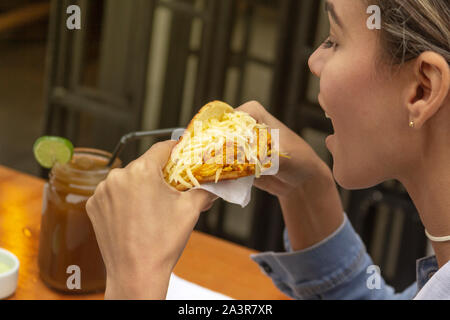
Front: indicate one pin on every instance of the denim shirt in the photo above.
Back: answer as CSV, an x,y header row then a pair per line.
x,y
339,267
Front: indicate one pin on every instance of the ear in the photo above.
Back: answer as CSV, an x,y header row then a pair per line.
x,y
430,87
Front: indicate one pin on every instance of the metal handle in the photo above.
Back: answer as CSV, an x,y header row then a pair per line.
x,y
136,136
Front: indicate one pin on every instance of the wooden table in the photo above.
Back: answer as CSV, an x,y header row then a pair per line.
x,y
208,261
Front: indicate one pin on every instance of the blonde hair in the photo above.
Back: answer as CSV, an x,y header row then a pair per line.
x,y
411,27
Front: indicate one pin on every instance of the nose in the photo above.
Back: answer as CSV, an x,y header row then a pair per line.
x,y
315,63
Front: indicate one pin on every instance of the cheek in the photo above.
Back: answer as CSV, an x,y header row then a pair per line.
x,y
347,91
355,100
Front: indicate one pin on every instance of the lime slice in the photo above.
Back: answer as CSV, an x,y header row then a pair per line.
x,y
49,150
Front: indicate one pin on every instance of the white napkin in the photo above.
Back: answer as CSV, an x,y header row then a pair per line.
x,y
180,289
237,191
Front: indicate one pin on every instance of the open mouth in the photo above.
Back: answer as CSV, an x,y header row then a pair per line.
x,y
322,106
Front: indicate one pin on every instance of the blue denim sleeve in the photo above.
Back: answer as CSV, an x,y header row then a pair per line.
x,y
337,268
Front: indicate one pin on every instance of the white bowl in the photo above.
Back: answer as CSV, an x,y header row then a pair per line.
x,y
8,279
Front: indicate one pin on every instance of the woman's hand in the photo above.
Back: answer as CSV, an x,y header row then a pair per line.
x,y
311,204
142,225
304,164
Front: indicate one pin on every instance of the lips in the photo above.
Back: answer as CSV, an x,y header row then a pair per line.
x,y
321,105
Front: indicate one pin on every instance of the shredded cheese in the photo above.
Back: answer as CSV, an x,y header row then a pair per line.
x,y
207,153
218,173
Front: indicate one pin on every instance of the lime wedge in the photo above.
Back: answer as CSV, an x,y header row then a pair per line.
x,y
49,150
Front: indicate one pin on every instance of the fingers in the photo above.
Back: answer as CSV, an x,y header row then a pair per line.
x,y
253,108
208,207
90,206
272,185
201,199
260,114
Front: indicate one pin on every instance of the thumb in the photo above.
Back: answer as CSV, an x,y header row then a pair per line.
x,y
202,199
160,152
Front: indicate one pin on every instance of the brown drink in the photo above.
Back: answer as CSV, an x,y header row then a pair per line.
x,y
67,237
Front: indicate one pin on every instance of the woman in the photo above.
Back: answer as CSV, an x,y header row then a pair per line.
x,y
387,94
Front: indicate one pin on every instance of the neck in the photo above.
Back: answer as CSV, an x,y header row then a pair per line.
x,y
428,186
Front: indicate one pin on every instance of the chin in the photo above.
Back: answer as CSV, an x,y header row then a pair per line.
x,y
351,179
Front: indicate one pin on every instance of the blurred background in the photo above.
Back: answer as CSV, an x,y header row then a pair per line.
x,y
150,64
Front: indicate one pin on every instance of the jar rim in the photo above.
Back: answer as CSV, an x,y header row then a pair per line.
x,y
78,180
97,153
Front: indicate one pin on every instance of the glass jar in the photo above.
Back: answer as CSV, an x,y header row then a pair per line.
x,y
69,256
